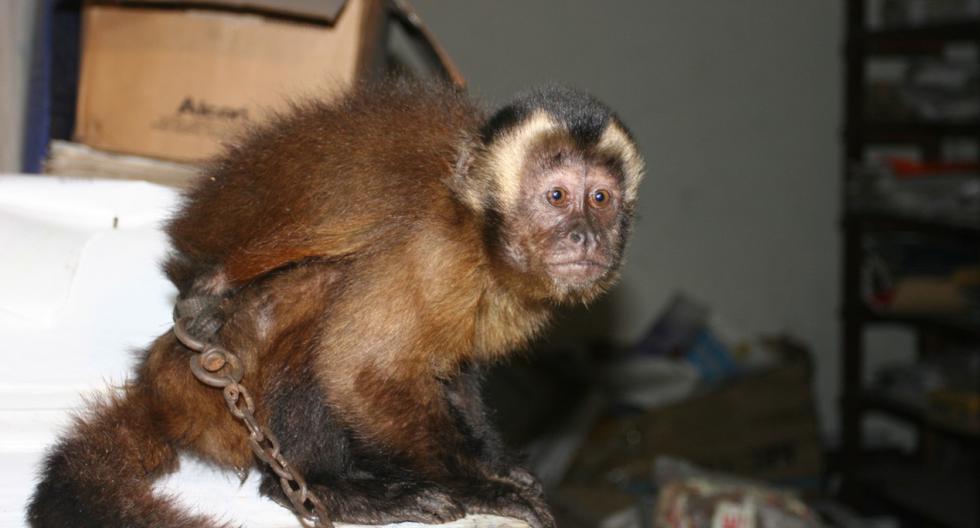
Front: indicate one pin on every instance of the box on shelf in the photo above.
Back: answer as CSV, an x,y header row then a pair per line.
x,y
172,80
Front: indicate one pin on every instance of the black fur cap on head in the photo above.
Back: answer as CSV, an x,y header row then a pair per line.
x,y
584,116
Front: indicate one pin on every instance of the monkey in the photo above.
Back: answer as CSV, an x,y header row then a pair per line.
x,y
367,259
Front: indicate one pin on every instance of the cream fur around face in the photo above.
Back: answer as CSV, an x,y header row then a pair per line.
x,y
615,140
503,162
506,158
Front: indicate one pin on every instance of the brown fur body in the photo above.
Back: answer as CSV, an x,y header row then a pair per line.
x,y
362,281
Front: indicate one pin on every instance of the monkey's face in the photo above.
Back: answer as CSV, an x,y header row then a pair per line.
x,y
556,177
567,230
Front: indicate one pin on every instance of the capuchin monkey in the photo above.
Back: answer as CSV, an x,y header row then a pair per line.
x,y
365,259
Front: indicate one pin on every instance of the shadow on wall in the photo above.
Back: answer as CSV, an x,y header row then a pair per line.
x,y
582,327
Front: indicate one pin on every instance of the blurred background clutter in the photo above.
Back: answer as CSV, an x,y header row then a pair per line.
x,y
796,337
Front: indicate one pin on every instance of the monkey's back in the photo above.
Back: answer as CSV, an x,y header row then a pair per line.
x,y
325,180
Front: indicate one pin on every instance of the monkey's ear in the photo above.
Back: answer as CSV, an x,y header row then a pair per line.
x,y
467,187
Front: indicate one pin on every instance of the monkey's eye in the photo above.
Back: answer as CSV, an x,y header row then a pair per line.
x,y
600,198
558,197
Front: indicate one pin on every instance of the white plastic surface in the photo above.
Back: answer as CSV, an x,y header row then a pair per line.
x,y
81,290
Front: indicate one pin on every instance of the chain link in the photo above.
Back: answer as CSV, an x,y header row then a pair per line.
x,y
221,368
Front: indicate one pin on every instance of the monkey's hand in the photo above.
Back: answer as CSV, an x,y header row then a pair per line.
x,y
522,478
371,501
526,484
510,500
428,505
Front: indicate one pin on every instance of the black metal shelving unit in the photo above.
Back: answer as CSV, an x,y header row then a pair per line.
x,y
924,494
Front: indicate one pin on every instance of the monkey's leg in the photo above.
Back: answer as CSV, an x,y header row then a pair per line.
x,y
100,474
465,399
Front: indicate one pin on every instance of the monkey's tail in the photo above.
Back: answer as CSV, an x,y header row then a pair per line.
x,y
101,473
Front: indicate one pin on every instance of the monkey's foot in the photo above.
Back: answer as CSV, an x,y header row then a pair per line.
x,y
202,313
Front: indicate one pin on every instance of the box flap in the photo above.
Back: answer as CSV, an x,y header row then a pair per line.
x,y
321,10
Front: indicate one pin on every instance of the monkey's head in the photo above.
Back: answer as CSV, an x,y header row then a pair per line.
x,y
556,176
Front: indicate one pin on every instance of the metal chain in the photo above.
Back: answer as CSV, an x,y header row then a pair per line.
x,y
218,367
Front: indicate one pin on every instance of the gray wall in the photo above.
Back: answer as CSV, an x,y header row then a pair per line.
x,y
736,106
16,34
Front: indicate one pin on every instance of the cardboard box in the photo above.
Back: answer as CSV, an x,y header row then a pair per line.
x,y
174,81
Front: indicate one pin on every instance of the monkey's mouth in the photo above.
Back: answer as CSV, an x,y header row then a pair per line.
x,y
577,270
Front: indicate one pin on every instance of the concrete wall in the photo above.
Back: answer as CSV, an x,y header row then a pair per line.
x,y
736,106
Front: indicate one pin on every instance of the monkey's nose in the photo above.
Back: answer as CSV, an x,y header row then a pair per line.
x,y
581,237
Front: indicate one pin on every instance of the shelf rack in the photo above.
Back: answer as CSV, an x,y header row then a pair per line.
x,y
948,500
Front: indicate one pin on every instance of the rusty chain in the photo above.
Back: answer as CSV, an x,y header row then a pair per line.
x,y
209,366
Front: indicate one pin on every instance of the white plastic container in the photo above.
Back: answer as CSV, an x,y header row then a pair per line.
x,y
81,290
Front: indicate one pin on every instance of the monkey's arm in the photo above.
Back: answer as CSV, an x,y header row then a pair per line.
x,y
461,452
464,396
491,458
441,432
